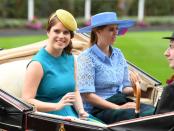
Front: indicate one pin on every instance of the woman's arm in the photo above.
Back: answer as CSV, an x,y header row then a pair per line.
x,y
78,104
128,89
97,101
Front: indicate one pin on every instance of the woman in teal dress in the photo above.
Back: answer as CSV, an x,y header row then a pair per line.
x,y
50,77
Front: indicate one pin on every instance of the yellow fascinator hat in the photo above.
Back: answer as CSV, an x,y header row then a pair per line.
x,y
66,18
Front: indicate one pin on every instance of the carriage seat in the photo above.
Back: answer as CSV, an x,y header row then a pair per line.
x,y
12,76
13,66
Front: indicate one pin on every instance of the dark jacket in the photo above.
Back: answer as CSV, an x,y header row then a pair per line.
x,y
166,103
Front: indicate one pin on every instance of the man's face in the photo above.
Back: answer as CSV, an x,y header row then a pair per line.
x,y
169,53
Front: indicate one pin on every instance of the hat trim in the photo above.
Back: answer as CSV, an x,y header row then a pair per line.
x,y
60,14
168,37
120,23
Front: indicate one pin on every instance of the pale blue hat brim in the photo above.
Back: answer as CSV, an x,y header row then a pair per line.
x,y
121,24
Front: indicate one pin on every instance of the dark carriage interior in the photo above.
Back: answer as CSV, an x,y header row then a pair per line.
x,y
16,115
12,112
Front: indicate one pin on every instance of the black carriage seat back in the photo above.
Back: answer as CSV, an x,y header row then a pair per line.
x,y
166,102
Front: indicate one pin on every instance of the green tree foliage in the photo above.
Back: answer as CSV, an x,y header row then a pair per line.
x,y
156,7
13,8
43,8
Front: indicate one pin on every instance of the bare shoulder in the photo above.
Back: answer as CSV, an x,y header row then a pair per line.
x,y
35,67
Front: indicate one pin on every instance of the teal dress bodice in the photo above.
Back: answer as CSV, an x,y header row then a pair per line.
x,y
58,79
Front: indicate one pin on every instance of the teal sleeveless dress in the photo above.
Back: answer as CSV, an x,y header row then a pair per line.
x,y
58,79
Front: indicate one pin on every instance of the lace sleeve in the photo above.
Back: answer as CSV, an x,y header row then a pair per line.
x,y
85,74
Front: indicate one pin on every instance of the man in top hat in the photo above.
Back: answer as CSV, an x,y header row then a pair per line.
x,y
166,104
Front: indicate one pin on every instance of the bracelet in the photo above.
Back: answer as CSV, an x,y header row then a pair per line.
x,y
79,109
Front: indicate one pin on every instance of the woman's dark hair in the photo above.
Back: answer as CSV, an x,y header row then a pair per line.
x,y
53,21
93,35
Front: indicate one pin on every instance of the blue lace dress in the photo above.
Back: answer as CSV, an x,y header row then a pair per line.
x,y
101,74
106,77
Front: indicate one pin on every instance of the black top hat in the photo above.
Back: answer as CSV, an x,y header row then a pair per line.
x,y
171,37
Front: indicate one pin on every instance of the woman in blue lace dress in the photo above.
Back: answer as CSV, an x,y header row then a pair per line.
x,y
50,77
103,78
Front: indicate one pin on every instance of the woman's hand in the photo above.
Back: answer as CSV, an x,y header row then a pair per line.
x,y
128,105
135,78
82,114
67,99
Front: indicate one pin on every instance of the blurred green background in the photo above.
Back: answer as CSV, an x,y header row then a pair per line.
x,y
145,50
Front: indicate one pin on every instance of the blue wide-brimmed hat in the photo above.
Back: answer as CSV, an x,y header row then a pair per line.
x,y
106,18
